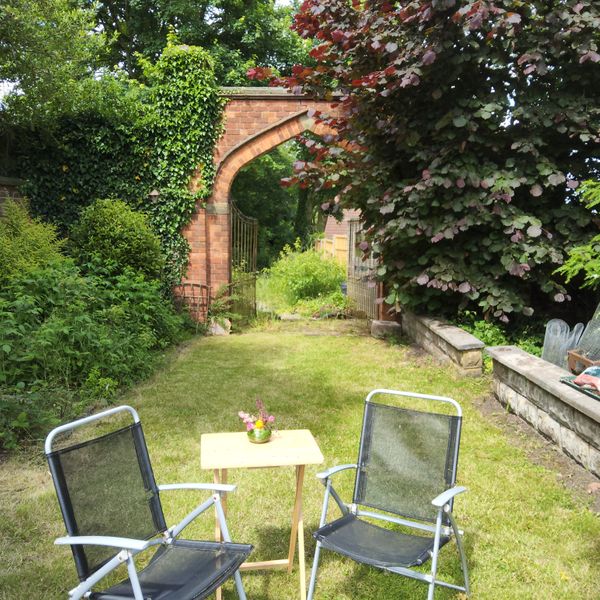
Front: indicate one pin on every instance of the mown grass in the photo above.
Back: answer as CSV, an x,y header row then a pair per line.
x,y
527,537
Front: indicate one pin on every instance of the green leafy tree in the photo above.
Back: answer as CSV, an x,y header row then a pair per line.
x,y
257,193
46,49
466,128
239,34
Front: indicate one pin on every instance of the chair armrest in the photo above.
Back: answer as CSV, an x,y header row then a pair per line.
x,y
327,474
213,487
446,496
105,540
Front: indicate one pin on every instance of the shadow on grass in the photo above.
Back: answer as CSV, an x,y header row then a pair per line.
x,y
348,578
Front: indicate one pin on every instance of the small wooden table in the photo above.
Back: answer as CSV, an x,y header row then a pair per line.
x,y
296,448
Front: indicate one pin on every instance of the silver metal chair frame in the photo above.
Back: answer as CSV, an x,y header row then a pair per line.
x,y
129,547
443,502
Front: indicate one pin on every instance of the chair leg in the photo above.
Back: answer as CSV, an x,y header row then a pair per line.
x,y
431,590
461,551
313,573
463,562
239,586
434,556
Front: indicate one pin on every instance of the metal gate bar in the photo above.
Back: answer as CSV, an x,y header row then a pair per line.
x,y
244,250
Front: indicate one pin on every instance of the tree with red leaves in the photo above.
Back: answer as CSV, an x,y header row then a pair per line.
x,y
467,128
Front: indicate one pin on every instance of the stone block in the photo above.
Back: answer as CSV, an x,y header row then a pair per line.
x,y
528,411
586,428
548,427
385,329
574,446
594,461
471,359
506,395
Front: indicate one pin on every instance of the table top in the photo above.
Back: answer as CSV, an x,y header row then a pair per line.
x,y
234,450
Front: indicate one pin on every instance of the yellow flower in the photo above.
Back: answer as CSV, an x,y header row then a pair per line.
x,y
259,424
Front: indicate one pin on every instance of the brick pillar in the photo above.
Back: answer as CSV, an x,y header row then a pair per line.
x,y
195,233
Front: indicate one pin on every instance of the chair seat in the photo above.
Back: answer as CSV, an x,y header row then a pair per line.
x,y
184,570
373,545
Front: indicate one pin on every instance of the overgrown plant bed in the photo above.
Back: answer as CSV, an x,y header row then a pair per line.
x,y
526,535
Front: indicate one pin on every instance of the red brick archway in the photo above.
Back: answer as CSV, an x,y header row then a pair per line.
x,y
256,120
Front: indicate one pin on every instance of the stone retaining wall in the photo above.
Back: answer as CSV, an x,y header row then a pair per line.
x,y
446,342
531,388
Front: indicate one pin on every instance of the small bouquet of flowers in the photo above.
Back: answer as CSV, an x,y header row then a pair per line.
x,y
259,427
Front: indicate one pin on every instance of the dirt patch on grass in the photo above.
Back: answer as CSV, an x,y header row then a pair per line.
x,y
543,452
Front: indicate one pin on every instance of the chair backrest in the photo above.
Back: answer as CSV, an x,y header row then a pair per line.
x,y
105,486
406,458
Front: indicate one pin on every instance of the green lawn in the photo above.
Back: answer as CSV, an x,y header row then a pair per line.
x,y
526,535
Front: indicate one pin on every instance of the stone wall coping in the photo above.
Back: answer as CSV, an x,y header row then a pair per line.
x,y
455,336
260,92
546,376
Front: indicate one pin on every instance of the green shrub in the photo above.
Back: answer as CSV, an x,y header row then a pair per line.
x,y
494,334
301,275
333,305
83,337
25,242
23,415
110,232
585,259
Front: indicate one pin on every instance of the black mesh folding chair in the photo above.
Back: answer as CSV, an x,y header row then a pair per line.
x,y
406,471
111,508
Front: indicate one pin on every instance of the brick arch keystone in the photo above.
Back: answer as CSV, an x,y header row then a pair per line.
x,y
256,120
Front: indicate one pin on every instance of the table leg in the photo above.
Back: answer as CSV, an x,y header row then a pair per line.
x,y
297,533
220,476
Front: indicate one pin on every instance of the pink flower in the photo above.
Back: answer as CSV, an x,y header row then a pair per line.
x,y
263,416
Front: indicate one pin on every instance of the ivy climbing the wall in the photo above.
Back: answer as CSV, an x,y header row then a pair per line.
x,y
188,123
125,139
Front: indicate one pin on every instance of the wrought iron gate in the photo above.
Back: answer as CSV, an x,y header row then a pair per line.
x,y
360,288
244,248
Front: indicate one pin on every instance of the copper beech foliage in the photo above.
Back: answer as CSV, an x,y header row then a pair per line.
x,y
466,129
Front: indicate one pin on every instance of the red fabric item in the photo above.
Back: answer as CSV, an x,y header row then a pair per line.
x,y
588,381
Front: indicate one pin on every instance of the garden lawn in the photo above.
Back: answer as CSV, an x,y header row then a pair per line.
x,y
526,535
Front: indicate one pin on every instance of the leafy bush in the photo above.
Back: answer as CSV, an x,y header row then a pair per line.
x,y
585,258
83,337
25,242
23,415
492,333
299,275
333,305
112,233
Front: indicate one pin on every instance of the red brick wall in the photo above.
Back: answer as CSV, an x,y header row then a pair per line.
x,y
256,120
